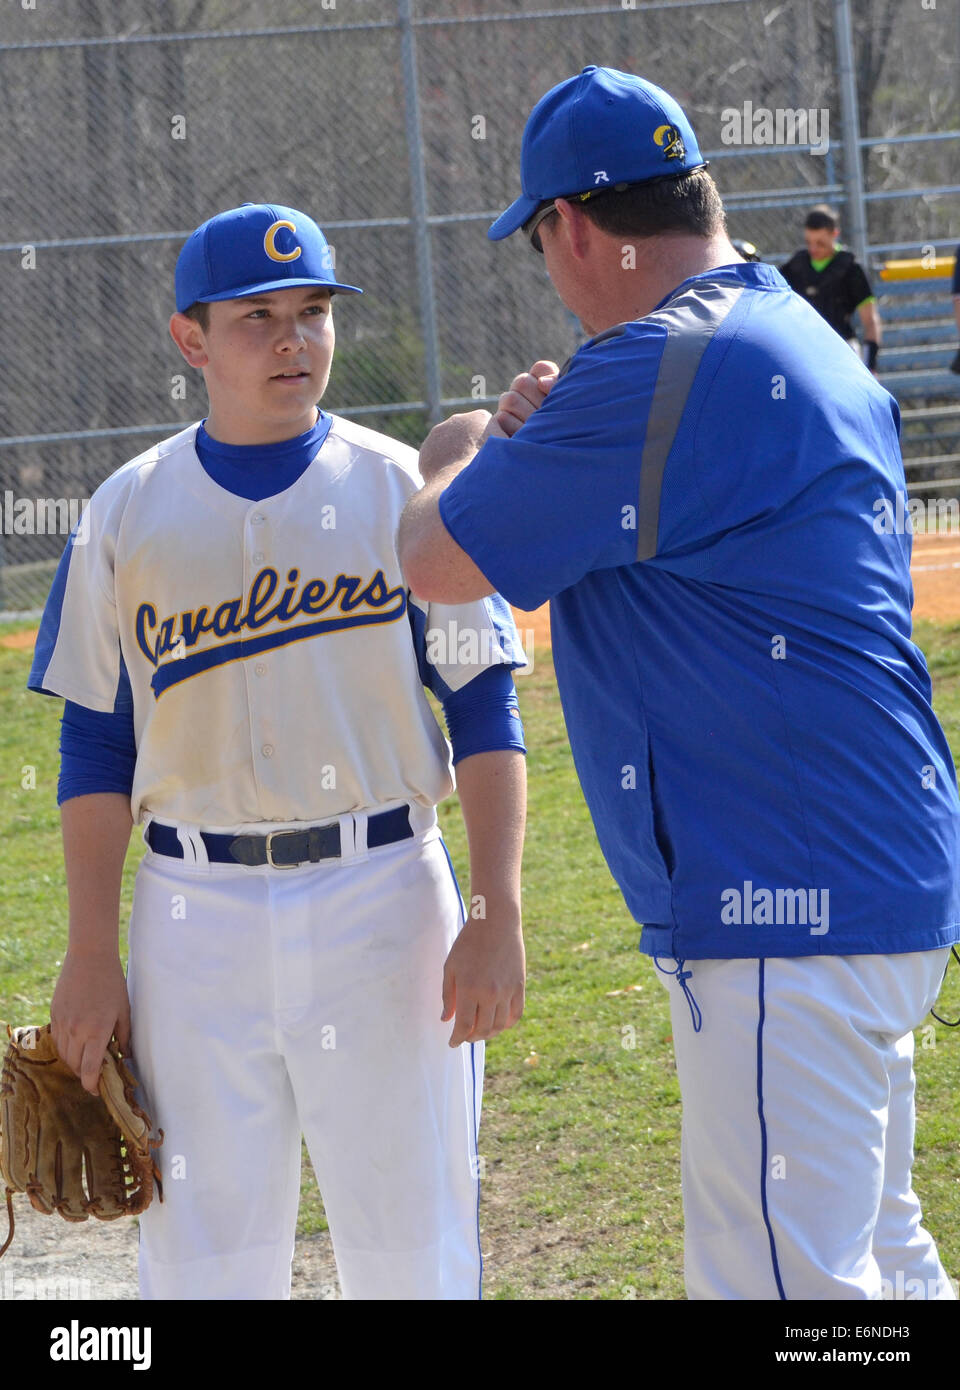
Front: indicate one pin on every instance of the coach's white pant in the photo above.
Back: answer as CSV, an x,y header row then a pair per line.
x,y
268,1001
798,1124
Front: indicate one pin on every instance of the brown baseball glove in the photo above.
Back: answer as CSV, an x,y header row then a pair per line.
x,y
72,1152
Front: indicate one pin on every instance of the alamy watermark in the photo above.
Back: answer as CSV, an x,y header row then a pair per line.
x,y
916,515
43,516
24,1288
902,1289
460,645
779,125
781,907
74,1342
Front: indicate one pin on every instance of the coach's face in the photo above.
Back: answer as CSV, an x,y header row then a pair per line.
x,y
266,361
569,249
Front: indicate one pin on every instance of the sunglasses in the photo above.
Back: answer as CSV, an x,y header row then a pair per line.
x,y
530,227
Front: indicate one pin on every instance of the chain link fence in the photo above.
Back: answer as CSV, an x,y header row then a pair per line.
x,y
396,124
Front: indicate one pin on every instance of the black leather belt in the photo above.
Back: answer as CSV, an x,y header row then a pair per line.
x,y
284,849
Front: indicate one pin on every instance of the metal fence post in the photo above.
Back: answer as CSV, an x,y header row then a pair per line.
x,y
855,216
421,228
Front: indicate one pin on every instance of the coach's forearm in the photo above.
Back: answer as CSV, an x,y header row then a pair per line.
x,y
493,798
96,832
424,506
420,521
434,565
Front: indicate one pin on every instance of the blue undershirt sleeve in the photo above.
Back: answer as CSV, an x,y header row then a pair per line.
x,y
484,716
98,752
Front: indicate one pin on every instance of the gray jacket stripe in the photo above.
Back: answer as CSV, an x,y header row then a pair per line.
x,y
691,322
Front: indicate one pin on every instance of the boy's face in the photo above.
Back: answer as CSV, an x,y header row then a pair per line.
x,y
265,360
820,241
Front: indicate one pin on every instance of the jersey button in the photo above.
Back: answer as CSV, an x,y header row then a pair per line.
x,y
267,750
260,669
256,519
258,558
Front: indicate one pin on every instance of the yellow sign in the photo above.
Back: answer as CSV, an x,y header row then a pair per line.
x,y
936,268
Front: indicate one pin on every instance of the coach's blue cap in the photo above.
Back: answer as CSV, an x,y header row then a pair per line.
x,y
595,130
253,249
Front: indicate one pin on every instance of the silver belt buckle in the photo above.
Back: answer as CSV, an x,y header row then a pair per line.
x,y
269,849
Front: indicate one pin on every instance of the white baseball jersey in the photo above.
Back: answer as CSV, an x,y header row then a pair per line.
x,y
271,647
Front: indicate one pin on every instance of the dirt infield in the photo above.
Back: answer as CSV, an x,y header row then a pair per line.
x,y
936,578
19,640
936,586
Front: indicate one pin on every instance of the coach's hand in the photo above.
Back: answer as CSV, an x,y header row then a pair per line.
x,y
89,1004
526,394
483,979
453,441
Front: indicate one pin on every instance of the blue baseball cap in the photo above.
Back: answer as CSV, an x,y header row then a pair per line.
x,y
253,249
600,128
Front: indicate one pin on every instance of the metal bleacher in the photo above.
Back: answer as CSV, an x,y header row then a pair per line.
x,y
919,343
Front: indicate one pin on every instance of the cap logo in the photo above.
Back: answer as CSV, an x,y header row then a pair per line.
x,y
269,243
670,141
600,176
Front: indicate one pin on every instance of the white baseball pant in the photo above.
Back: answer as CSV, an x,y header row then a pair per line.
x,y
269,1001
798,1126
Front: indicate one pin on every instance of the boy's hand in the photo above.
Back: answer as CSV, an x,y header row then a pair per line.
x,y
89,1005
483,980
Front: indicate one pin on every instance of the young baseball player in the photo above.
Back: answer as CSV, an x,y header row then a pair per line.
x,y
244,672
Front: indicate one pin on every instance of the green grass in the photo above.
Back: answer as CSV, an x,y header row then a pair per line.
x,y
580,1133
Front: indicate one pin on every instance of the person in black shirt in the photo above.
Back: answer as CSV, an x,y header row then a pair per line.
x,y
830,279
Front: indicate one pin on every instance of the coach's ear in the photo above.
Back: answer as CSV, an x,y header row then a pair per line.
x,y
188,336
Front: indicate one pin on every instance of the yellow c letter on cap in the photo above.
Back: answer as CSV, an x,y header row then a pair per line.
x,y
269,243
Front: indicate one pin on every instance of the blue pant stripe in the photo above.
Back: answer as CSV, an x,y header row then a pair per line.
x,y
763,1140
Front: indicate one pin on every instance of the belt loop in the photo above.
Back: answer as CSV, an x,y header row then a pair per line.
x,y
186,843
199,847
191,842
350,834
422,818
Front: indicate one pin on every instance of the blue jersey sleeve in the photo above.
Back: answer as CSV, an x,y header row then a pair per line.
x,y
538,511
49,632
